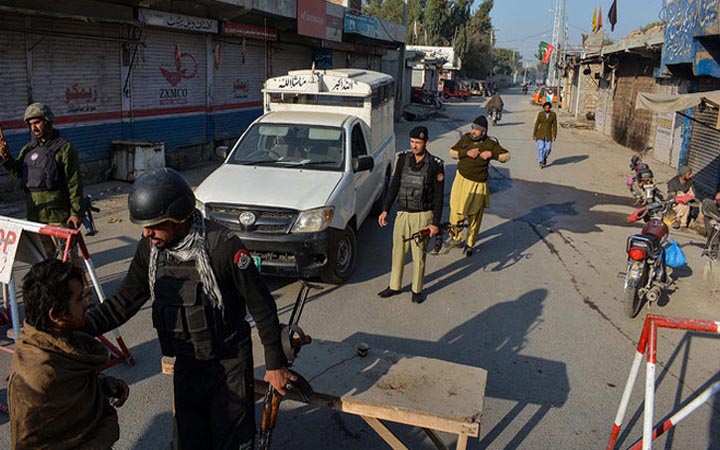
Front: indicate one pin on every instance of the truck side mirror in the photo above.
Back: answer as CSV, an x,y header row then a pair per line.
x,y
363,163
221,152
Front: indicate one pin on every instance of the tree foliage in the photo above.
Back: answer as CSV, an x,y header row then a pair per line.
x,y
445,23
506,61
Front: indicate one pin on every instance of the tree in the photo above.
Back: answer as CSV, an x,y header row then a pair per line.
x,y
476,63
372,7
436,20
506,61
392,10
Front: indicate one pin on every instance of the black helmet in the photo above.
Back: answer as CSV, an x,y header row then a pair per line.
x,y
160,195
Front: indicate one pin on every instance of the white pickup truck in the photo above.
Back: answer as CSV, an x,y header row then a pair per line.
x,y
304,176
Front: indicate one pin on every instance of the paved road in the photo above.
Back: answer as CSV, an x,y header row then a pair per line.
x,y
539,307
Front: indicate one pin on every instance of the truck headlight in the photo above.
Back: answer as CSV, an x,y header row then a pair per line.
x,y
200,206
313,220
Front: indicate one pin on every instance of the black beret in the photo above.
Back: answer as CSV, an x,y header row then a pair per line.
x,y
419,133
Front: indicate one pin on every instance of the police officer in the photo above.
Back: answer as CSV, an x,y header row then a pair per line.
x,y
201,280
50,173
418,185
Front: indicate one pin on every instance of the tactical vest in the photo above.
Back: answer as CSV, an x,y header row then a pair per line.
x,y
412,195
41,171
186,322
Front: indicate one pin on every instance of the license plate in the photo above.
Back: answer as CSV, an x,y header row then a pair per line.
x,y
258,261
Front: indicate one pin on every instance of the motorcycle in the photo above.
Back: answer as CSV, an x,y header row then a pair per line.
x,y
524,90
494,116
425,97
641,180
646,276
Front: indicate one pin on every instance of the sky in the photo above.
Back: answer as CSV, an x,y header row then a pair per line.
x,y
522,24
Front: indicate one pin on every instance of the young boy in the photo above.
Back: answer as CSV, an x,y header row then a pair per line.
x,y
58,398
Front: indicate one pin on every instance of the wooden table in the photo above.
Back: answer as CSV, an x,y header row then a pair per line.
x,y
434,395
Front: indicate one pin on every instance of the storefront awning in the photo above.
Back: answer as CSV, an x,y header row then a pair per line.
x,y
665,103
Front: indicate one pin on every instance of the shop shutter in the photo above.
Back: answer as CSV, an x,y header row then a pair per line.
x,y
704,155
13,72
340,59
169,86
287,57
237,86
79,78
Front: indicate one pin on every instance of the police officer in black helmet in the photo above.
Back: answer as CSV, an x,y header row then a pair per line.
x,y
201,279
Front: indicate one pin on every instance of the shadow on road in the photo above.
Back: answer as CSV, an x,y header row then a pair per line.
x,y
497,337
567,160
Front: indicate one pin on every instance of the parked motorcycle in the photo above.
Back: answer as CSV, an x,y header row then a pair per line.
x,y
646,276
641,180
425,97
524,90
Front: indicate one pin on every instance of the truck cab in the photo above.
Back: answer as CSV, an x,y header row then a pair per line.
x,y
301,180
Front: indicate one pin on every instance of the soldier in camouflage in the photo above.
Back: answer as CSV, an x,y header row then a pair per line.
x,y
49,170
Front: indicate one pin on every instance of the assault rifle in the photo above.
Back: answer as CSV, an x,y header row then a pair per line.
x,y
451,229
293,338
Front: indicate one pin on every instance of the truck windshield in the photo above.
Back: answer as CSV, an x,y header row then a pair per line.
x,y
290,145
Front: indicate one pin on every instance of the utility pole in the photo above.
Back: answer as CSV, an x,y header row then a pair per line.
x,y
558,36
400,85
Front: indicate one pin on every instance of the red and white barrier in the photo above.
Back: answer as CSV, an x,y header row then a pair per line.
x,y
648,344
72,238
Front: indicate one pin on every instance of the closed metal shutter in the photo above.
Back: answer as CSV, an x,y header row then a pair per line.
x,y
704,155
13,72
79,78
169,89
290,57
237,87
340,59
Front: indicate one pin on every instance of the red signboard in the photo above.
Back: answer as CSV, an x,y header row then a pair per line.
x,y
249,31
311,17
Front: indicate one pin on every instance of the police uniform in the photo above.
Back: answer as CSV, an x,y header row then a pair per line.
x,y
50,174
213,372
418,187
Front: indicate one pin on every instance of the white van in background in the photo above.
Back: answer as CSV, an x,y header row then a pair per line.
x,y
305,175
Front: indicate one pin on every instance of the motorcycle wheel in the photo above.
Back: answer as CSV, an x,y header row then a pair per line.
x,y
633,302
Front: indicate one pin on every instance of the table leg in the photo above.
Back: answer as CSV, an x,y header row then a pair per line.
x,y
436,439
461,442
384,433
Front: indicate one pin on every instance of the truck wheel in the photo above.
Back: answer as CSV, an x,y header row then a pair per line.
x,y
342,256
377,207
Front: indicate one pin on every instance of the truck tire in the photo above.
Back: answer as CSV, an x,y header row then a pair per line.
x,y
377,207
342,256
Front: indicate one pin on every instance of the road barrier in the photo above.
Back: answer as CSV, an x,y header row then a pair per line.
x,y
648,344
12,231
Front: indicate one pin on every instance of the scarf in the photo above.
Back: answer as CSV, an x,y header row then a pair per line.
x,y
192,247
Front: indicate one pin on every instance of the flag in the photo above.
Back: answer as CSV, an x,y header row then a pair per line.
x,y
594,22
612,15
545,51
599,24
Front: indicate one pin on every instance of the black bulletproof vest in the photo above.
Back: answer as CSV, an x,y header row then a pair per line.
x,y
41,171
412,195
186,322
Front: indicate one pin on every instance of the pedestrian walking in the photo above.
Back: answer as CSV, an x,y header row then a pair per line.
x,y
469,195
418,186
49,170
545,133
201,280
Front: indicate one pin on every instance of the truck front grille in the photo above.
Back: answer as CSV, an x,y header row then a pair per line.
x,y
267,220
